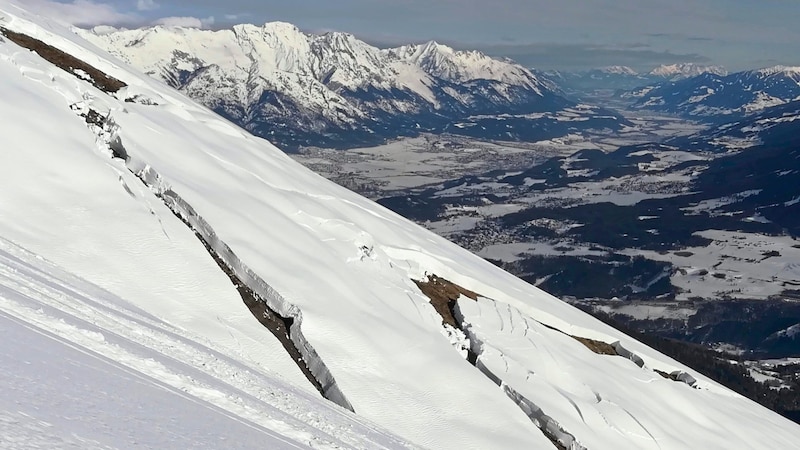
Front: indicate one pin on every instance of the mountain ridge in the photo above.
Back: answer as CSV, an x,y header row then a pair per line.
x,y
345,91
722,98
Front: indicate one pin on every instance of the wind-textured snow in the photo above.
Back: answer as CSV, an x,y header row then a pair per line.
x,y
92,256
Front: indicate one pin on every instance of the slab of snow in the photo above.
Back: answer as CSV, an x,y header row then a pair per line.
x,y
609,401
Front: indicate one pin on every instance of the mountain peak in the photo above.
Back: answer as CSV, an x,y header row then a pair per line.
x,y
618,70
786,70
284,32
686,70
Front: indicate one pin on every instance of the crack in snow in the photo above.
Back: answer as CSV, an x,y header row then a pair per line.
x,y
284,318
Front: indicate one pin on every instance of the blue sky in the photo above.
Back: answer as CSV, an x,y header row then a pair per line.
x,y
565,34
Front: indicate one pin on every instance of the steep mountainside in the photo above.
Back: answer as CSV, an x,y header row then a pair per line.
x,y
132,218
335,90
722,98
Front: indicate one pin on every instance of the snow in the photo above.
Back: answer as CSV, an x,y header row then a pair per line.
x,y
685,70
84,368
762,101
101,404
650,311
517,250
618,70
779,69
94,257
609,401
736,265
664,159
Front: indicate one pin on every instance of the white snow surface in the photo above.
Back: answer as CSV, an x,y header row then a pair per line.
x,y
83,368
136,287
605,402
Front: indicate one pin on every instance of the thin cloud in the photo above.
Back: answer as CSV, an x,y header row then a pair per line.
x,y
235,17
186,22
81,12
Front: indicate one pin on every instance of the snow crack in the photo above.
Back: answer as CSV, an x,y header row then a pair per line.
x,y
282,318
560,437
287,312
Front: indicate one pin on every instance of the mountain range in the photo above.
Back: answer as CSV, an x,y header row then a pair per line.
x,y
334,90
719,98
588,83
169,280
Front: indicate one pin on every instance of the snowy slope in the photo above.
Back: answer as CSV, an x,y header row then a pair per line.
x,y
339,265
333,89
82,368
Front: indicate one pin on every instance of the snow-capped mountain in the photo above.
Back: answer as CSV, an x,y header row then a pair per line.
x,y
610,80
680,71
595,82
618,70
335,90
137,228
719,97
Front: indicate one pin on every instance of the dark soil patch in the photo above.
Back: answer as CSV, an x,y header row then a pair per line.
x,y
443,295
65,61
666,375
599,347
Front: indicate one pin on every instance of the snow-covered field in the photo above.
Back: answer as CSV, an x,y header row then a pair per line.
x,y
734,265
100,281
413,162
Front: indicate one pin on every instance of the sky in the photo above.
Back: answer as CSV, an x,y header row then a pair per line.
x,y
546,34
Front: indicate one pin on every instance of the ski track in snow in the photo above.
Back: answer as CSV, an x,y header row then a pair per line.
x,y
36,296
